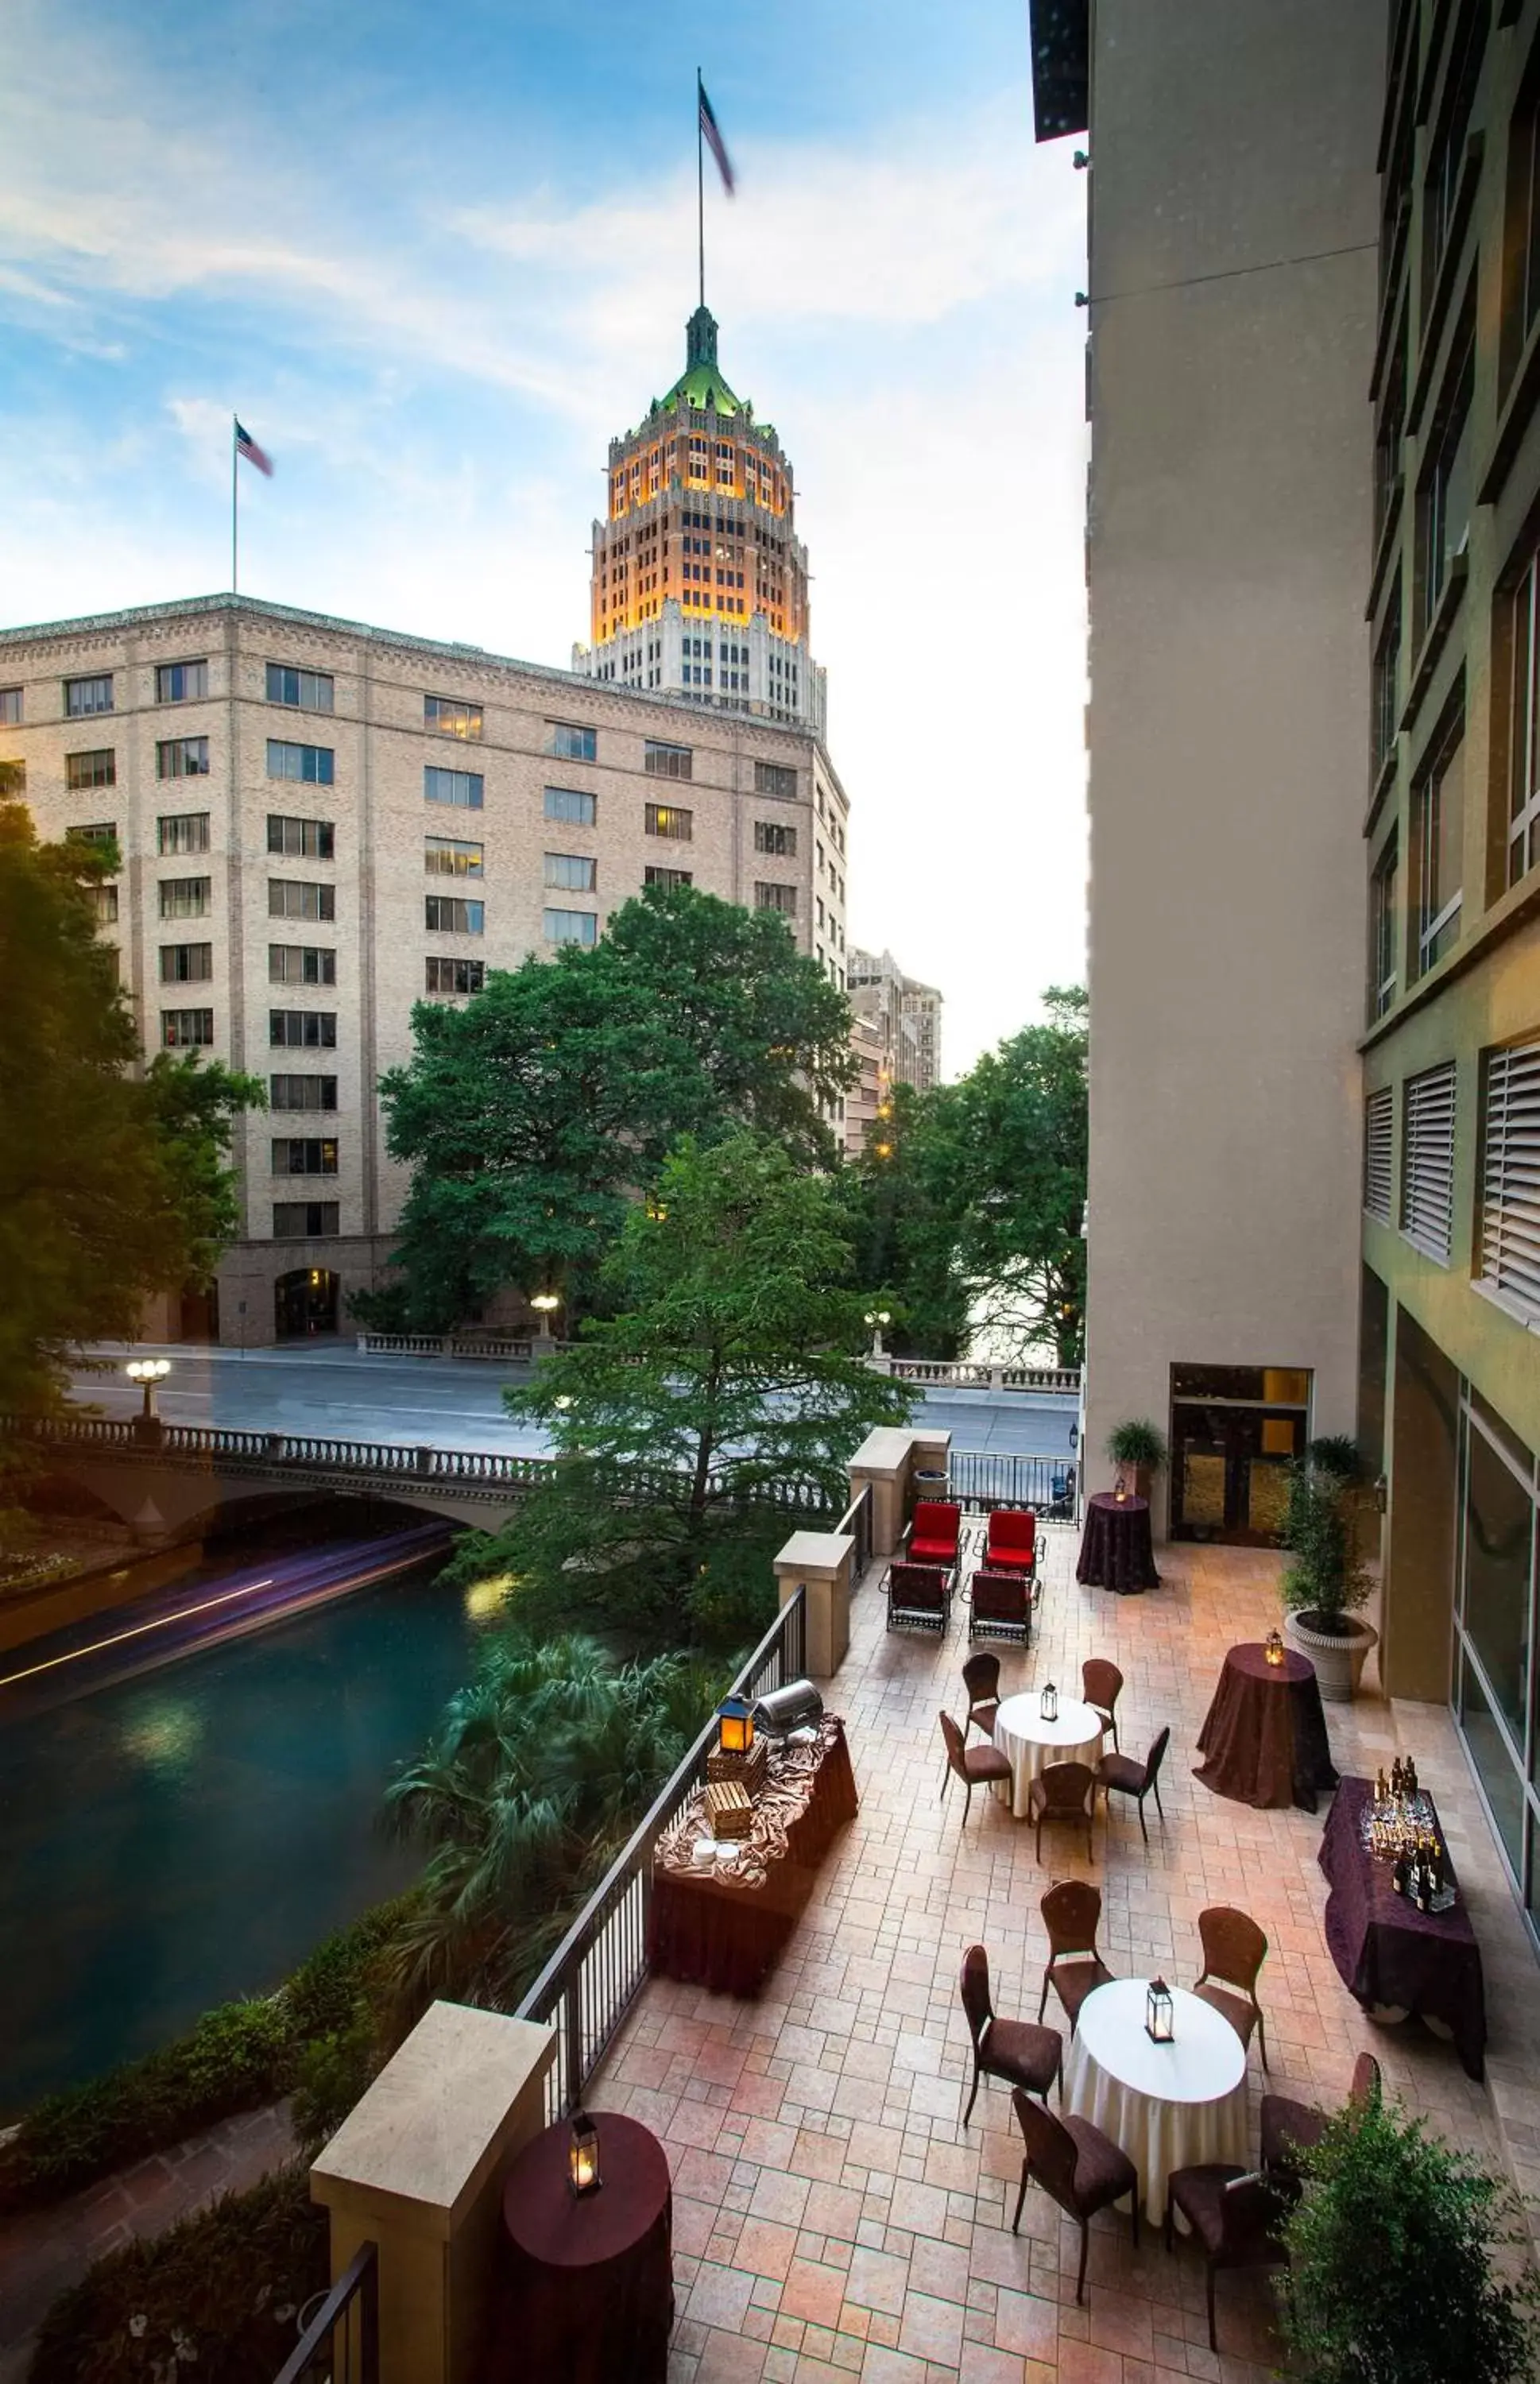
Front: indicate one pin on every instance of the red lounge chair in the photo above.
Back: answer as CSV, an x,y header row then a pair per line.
x,y
1000,1606
1012,1542
919,1598
934,1534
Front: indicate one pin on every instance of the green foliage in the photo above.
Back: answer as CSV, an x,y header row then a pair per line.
x,y
331,2075
1139,1443
1336,1453
531,1115
905,1229
1328,1580
216,2296
1397,2252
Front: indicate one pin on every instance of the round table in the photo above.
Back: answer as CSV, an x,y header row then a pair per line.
x,y
1117,1550
1030,1743
588,2285
1263,1738
1168,2106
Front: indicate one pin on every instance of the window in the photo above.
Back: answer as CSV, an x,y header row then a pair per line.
x,y
1446,149
446,858
186,963
449,716
186,1030
10,707
182,757
571,927
184,897
1438,828
572,871
1444,499
776,897
82,696
1510,1190
303,1155
306,839
1378,1131
1520,303
99,769
455,977
448,913
462,787
303,1029
181,682
301,964
572,809
1428,1160
1388,432
668,878
104,902
1382,932
770,835
304,1221
182,832
302,1092
13,778
1386,689
296,897
1523,724
667,761
668,820
314,764
306,690
571,743
770,779
93,832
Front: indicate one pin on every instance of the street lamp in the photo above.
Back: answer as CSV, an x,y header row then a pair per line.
x,y
876,1318
147,1373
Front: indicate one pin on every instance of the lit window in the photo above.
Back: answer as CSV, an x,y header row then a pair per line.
x,y
450,717
303,1155
667,819
445,856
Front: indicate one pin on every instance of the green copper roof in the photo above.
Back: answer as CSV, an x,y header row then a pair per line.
x,y
701,384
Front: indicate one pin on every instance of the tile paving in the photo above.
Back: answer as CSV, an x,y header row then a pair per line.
x,y
833,2219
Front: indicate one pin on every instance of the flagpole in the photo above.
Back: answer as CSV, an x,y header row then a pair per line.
x,y
234,511
700,181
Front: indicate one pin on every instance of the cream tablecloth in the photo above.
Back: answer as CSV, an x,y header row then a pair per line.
x,y
1168,2106
1031,1743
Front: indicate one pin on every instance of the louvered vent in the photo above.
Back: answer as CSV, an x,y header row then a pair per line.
x,y
1428,1160
1377,1137
1511,1178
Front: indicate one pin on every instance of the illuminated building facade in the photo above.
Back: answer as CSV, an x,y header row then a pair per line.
x,y
700,581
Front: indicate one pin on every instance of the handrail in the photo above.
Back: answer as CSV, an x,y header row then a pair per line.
x,y
961,1374
358,2283
857,1521
511,1347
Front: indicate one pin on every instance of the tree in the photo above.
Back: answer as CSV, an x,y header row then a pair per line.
x,y
906,1233
533,1115
111,1185
728,1380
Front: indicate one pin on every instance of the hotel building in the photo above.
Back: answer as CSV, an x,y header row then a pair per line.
x,y
906,1014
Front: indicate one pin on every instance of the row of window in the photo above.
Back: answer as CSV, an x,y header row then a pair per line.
x,y
1505,1258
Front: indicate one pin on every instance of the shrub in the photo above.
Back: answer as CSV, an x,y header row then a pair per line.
x,y
1328,1578
1138,1443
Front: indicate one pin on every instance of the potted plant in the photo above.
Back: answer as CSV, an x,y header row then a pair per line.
x,y
1328,1580
1408,2264
1137,1447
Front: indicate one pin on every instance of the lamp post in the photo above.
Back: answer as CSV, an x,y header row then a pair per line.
x,y
545,1304
148,1430
876,1318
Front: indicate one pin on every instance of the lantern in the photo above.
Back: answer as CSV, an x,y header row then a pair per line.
x,y
1158,2014
582,2156
1120,1489
1273,1648
1048,1704
735,1726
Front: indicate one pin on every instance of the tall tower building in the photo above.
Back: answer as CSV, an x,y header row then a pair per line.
x,y
699,580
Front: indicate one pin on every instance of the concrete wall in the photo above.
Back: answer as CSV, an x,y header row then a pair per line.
x,y
1228,557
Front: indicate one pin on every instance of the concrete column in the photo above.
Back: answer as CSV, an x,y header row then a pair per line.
x,y
882,1460
820,1563
417,2168
1419,1539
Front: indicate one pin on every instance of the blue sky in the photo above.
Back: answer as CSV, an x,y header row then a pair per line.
x,y
436,256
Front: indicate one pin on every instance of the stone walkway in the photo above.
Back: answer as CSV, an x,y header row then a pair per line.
x,y
832,2218
44,2251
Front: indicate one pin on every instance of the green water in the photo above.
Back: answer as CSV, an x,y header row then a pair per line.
x,y
187,1837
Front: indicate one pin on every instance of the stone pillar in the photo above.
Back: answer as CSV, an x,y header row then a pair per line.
x,y
883,1462
417,2168
820,1563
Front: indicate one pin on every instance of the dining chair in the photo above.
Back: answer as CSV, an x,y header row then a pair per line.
x,y
1063,1792
1072,1915
1102,1685
981,1679
1233,1952
1018,2051
1291,2128
1234,2213
974,1766
1077,2167
1120,1773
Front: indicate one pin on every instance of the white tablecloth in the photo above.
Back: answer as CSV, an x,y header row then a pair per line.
x,y
1031,1743
1168,2106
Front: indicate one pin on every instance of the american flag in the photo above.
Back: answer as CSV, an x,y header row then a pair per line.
x,y
714,142
246,445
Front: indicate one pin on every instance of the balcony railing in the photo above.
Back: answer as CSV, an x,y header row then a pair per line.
x,y
960,1375
340,2344
991,1478
509,1348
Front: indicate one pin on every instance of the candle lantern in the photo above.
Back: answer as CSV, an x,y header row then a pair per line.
x,y
1120,1489
1048,1704
739,1753
735,1726
582,2156
1158,2014
1274,1646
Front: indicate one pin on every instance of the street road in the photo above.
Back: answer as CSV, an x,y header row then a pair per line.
x,y
328,1389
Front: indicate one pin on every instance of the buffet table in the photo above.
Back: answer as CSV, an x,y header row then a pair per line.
x,y
1264,1736
725,1927
1389,1955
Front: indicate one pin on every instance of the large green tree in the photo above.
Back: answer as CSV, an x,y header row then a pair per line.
x,y
112,1184
532,1115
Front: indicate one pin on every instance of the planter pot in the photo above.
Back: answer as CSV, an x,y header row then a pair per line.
x,y
1338,1658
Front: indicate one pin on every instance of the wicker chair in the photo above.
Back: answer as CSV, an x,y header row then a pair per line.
x,y
999,1606
1072,1915
1234,2213
1102,1686
1063,1792
981,1679
1233,1952
974,1766
1079,2167
1120,1773
919,1598
1291,2128
1017,2051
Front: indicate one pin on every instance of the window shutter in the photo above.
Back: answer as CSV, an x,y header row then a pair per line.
x,y
1511,1191
1428,1160
1377,1133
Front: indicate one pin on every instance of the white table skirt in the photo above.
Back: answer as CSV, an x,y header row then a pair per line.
x,y
1030,1743
1169,2105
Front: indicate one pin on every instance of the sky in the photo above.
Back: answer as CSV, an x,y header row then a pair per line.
x,y
437,257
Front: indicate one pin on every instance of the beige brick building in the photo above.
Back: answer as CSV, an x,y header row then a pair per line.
x,y
322,824
906,1014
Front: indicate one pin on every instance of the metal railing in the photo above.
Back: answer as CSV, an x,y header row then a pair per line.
x,y
511,1348
341,2343
595,1973
857,1521
991,1478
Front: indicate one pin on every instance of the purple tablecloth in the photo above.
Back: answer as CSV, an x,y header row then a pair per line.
x,y
1116,1548
1386,1951
1264,1736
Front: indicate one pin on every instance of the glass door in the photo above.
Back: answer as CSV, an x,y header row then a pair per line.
x,y
1233,1430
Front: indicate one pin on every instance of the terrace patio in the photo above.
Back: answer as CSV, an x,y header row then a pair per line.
x,y
832,2218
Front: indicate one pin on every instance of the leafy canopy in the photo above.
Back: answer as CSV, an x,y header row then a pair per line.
x,y
532,1114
